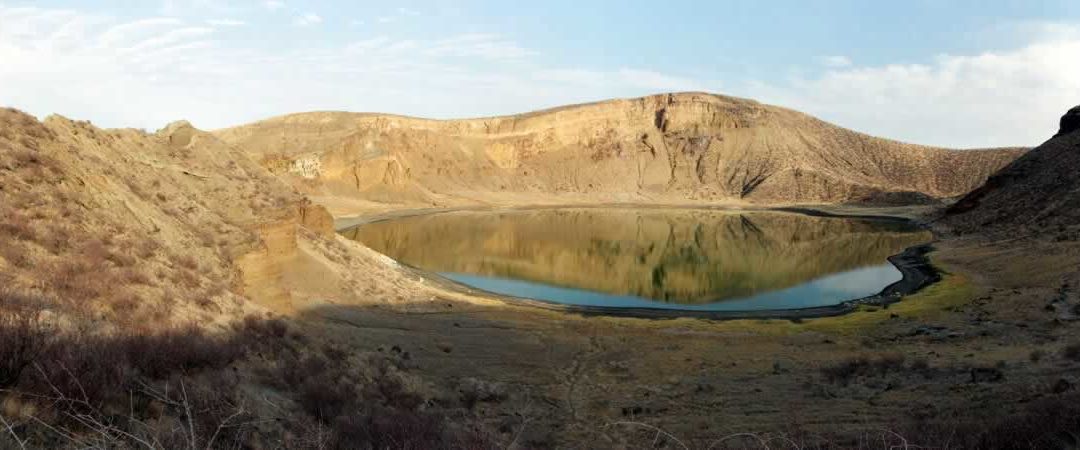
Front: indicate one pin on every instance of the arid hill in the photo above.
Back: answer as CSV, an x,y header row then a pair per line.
x,y
133,261
136,271
1038,194
664,148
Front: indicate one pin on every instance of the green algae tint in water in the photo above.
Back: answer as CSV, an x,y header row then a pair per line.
x,y
709,260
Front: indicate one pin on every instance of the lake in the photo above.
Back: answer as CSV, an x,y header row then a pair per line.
x,y
687,259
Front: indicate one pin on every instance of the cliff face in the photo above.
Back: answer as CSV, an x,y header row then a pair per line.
x,y
673,147
1036,195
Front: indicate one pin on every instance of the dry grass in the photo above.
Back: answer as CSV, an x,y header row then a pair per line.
x,y
865,366
181,387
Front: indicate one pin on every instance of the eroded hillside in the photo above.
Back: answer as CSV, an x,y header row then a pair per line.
x,y
673,147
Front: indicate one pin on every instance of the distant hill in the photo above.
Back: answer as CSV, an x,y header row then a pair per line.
x,y
1039,193
670,147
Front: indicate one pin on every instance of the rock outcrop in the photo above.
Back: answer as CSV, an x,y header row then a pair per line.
x,y
1070,121
664,148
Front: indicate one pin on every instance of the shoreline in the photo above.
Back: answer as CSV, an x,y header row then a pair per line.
x,y
913,264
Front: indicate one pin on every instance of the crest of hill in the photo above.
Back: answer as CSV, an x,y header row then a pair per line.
x,y
1036,195
670,147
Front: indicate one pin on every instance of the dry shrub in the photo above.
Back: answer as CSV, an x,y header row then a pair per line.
x,y
99,369
18,226
134,276
58,239
186,279
78,280
95,251
863,366
1048,422
206,237
188,262
16,255
147,248
180,388
1072,352
22,335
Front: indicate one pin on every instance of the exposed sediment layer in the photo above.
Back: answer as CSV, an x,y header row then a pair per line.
x,y
687,147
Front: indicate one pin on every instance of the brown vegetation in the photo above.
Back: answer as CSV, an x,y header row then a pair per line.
x,y
183,387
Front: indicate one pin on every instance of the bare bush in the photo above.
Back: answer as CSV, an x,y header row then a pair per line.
x,y
845,370
22,335
1072,352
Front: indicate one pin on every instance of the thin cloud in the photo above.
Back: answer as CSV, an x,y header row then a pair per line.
x,y
148,72
836,61
273,5
308,20
995,98
226,22
124,31
169,38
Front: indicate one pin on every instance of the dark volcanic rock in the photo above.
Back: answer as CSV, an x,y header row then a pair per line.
x,y
986,375
1070,121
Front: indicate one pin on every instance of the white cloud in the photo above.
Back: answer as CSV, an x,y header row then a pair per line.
x,y
273,5
385,19
188,7
646,81
123,31
168,38
482,45
148,72
226,22
996,98
408,12
836,61
308,19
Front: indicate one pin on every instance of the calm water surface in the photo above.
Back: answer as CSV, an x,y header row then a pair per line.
x,y
710,260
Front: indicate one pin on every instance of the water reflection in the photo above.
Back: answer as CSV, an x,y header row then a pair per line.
x,y
666,258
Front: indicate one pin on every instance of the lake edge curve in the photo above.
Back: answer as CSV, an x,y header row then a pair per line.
x,y
913,264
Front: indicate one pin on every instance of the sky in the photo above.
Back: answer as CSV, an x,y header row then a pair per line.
x,y
954,73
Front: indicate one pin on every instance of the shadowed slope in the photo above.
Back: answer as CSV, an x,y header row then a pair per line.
x,y
1039,193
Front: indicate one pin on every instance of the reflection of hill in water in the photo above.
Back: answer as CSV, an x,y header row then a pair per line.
x,y
684,256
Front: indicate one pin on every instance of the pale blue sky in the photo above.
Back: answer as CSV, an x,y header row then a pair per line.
x,y
959,73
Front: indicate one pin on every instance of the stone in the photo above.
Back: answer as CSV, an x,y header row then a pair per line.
x,y
986,375
1070,122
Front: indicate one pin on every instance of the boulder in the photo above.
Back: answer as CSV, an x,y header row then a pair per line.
x,y
1070,121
